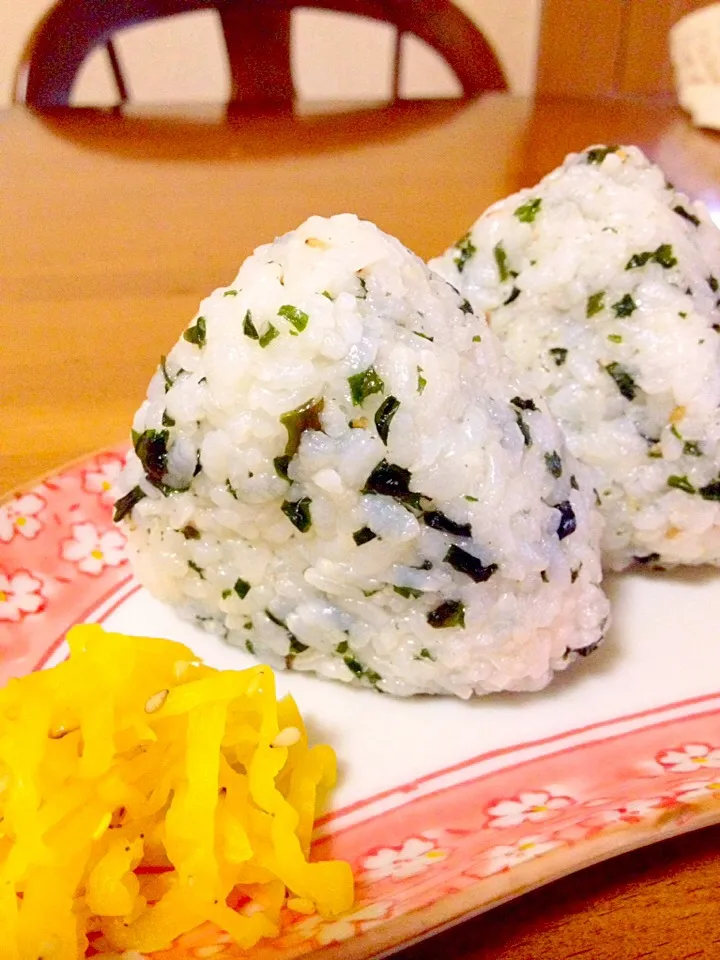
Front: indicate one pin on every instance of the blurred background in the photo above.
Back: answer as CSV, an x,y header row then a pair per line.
x,y
182,59
577,48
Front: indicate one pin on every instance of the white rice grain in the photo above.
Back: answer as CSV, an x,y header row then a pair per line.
x,y
343,474
603,283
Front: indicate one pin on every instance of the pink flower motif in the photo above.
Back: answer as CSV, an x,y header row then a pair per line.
x,y
696,790
632,811
414,856
531,806
20,595
689,758
505,857
20,516
344,928
91,550
103,479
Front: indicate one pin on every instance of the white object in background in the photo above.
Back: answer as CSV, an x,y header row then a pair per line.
x,y
695,55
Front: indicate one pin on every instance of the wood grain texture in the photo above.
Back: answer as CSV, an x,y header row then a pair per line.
x,y
659,903
580,42
644,61
112,229
108,246
615,48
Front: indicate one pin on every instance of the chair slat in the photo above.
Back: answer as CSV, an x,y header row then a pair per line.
x,y
258,45
397,65
117,71
257,36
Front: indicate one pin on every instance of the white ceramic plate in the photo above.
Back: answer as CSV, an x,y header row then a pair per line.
x,y
444,808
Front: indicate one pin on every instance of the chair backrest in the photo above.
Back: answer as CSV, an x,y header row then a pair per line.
x,y
257,36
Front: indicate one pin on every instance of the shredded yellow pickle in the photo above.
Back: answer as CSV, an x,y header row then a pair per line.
x,y
143,793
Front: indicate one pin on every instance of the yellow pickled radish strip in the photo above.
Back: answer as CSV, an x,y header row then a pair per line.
x,y
190,821
157,926
62,804
289,715
236,846
9,917
237,809
262,689
289,718
266,764
245,930
112,887
119,651
156,799
48,926
120,791
302,793
325,883
97,730
20,809
133,757
78,830
221,686
328,761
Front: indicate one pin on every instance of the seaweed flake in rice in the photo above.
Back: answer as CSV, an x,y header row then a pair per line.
x,y
603,283
336,469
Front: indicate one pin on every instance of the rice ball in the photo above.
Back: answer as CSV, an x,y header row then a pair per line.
x,y
336,469
602,283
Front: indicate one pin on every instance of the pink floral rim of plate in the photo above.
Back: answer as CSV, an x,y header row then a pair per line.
x,y
469,835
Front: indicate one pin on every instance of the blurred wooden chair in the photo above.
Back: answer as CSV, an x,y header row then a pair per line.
x,y
257,37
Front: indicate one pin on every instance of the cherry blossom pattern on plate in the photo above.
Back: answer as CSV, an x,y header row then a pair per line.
x,y
634,811
92,550
414,856
102,478
20,595
363,917
695,791
20,517
530,806
615,813
689,758
504,857
681,753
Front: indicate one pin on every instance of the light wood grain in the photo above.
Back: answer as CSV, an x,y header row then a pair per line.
x,y
112,230
659,903
108,243
614,48
644,67
580,43
644,60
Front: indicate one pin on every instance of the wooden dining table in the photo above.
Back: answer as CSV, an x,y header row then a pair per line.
x,y
114,226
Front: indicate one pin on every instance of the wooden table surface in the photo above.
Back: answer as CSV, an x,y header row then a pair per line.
x,y
113,228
